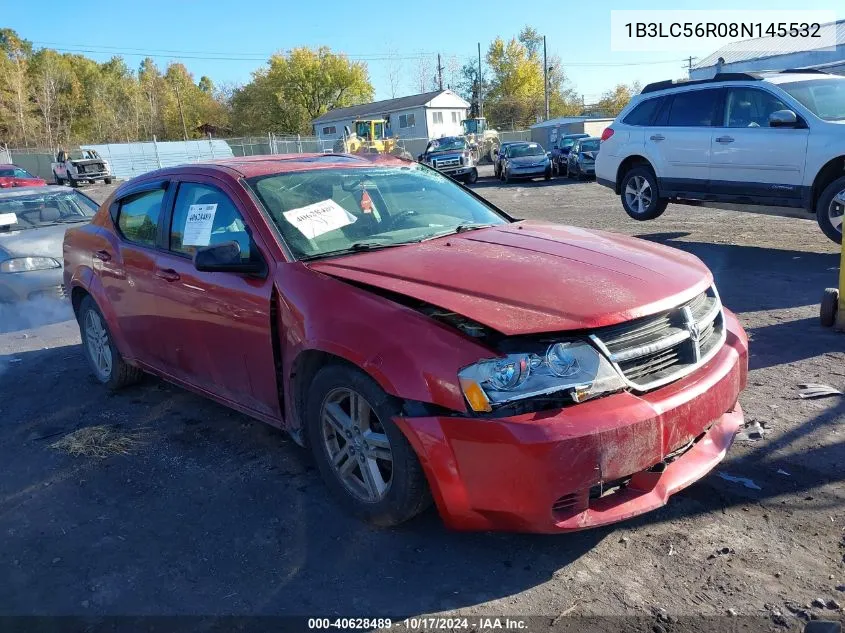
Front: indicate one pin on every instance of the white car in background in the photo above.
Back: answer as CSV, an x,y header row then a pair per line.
x,y
775,138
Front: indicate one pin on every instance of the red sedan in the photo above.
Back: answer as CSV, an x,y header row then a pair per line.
x,y
14,176
422,343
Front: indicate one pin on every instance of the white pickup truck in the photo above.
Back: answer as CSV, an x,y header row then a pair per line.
x,y
80,165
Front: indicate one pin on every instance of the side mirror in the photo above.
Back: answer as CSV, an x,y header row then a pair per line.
x,y
420,158
226,258
783,118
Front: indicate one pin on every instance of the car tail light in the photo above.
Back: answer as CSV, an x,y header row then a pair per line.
x,y
608,132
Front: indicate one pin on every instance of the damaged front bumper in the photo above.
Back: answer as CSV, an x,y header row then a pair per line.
x,y
587,465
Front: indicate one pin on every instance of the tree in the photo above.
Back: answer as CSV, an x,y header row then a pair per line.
x,y
516,90
612,101
298,87
516,95
393,70
15,91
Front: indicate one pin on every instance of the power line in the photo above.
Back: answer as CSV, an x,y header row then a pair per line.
x,y
214,56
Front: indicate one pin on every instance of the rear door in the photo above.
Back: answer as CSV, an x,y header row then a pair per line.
x,y
126,268
679,141
749,158
215,326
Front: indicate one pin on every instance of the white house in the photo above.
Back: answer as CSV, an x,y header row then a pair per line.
x,y
760,54
428,115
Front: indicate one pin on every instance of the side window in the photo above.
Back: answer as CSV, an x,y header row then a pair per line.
x,y
137,218
202,216
643,113
695,108
750,107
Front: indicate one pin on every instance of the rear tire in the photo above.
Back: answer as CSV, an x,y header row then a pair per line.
x,y
830,208
105,360
330,400
59,181
640,196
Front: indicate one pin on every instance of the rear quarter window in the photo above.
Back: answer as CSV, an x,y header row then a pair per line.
x,y
643,113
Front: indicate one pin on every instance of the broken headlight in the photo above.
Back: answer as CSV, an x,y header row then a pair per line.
x,y
574,367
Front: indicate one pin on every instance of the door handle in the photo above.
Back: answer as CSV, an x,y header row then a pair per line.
x,y
725,139
102,255
168,274
657,137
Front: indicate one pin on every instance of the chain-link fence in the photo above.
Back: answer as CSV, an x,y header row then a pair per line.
x,y
128,160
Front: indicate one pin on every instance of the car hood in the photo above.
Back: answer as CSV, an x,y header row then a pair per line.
x,y
532,277
45,241
527,160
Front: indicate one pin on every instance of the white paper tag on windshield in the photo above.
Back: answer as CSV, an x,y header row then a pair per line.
x,y
8,218
198,225
318,218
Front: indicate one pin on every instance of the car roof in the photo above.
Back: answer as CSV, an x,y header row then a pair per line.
x,y
576,135
23,191
733,79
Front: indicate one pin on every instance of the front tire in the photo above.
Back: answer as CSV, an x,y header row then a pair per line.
x,y
105,360
59,181
830,209
363,457
471,177
70,181
640,196
107,181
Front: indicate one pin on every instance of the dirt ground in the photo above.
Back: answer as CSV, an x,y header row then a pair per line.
x,y
214,513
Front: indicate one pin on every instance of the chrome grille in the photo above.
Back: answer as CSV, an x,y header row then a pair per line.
x,y
655,350
447,162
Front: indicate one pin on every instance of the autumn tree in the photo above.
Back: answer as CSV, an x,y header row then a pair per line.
x,y
612,101
516,95
298,87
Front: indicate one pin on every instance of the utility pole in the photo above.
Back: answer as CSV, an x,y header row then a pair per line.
x,y
181,112
439,73
690,60
546,78
480,101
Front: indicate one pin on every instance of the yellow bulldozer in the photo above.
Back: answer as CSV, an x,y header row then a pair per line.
x,y
370,137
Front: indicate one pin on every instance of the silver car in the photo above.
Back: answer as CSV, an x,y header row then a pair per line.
x,y
525,160
33,221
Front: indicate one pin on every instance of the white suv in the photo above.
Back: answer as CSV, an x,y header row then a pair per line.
x,y
770,138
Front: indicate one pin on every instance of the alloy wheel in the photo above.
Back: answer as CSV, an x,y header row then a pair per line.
x,y
357,445
836,211
97,342
638,194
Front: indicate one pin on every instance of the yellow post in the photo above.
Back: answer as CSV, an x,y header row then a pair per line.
x,y
840,310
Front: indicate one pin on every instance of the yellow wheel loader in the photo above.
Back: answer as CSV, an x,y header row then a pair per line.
x,y
369,137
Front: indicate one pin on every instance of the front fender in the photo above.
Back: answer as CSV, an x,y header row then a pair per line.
x,y
408,354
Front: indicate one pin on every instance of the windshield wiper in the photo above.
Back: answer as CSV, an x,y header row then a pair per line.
x,y
461,228
354,248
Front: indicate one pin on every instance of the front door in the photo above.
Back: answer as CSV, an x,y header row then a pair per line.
x,y
679,142
749,158
215,326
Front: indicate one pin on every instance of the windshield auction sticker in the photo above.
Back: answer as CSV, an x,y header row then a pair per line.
x,y
318,218
198,224
759,32
8,218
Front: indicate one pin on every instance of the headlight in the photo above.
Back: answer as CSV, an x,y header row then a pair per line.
x,y
574,367
24,264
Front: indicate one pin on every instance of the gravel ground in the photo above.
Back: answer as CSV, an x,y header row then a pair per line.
x,y
214,513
